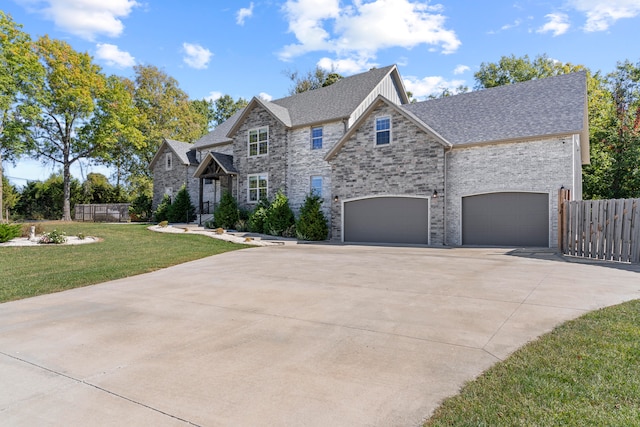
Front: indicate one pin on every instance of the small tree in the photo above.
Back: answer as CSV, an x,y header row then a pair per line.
x,y
258,217
140,208
182,210
279,220
162,211
226,213
312,224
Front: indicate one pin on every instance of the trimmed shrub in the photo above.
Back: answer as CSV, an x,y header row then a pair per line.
x,y
162,211
226,214
258,217
312,224
140,209
182,210
9,231
279,217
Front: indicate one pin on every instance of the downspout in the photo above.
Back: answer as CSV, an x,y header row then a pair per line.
x,y
444,197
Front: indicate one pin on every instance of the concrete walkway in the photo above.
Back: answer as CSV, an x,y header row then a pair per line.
x,y
309,335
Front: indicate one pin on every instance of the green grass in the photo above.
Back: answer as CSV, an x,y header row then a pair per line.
x,y
127,250
584,373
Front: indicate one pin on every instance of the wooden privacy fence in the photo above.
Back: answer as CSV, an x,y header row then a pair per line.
x,y
109,212
601,229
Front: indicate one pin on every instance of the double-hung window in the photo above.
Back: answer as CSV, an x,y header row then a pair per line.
x,y
316,186
316,138
258,185
259,141
383,130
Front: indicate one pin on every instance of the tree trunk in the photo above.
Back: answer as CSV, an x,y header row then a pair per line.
x,y
66,185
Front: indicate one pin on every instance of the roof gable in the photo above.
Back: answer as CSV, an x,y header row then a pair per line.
x,y
366,115
225,161
183,150
550,106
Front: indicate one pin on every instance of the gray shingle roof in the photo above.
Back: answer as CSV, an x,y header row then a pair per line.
x,y
184,151
225,161
219,134
335,101
550,106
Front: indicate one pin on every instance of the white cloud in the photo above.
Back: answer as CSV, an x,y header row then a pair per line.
x,y
86,18
558,24
461,69
244,13
602,14
356,32
345,66
421,88
113,56
213,95
196,56
265,96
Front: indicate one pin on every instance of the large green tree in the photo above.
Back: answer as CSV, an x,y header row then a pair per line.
x,y
512,69
79,110
311,80
614,171
225,107
20,76
164,111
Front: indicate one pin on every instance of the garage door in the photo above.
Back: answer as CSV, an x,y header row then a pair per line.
x,y
387,220
506,219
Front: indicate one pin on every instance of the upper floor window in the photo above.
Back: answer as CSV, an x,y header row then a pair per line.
x,y
259,141
316,185
383,130
168,164
258,186
316,138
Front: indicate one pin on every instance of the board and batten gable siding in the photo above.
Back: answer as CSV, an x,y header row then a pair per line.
x,y
179,175
274,163
305,162
540,166
412,164
388,88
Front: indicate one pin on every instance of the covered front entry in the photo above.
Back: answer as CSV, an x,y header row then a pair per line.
x,y
386,219
506,219
215,167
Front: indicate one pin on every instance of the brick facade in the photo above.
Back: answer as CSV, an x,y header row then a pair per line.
x,y
412,164
541,166
179,175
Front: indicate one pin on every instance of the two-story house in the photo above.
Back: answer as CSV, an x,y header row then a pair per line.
x,y
482,168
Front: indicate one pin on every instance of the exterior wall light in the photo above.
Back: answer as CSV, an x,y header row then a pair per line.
x,y
335,199
435,194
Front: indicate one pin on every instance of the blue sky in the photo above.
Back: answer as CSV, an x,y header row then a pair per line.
x,y
242,48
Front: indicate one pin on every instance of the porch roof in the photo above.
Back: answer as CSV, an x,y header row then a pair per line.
x,y
224,161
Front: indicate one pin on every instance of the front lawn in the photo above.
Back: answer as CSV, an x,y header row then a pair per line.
x,y
584,373
127,249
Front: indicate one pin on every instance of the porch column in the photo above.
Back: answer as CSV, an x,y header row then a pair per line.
x,y
200,202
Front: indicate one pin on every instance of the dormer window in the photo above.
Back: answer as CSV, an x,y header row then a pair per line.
x,y
259,141
383,130
168,165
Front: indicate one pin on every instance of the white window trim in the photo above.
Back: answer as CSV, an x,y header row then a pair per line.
x,y
257,130
321,184
258,175
321,137
375,129
168,161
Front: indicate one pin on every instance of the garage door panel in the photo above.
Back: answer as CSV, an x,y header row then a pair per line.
x,y
506,219
387,220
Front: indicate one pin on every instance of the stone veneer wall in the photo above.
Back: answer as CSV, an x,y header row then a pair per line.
x,y
175,178
274,163
413,164
305,162
535,166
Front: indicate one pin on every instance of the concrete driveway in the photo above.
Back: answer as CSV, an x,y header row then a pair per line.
x,y
308,335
